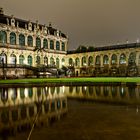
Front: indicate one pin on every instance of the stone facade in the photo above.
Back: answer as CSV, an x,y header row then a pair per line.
x,y
28,43
116,60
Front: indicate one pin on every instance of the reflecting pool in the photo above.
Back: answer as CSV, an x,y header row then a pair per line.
x,y
93,112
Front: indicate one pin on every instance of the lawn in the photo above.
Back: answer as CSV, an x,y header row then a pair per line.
x,y
73,80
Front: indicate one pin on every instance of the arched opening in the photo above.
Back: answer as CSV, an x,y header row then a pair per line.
x,y
12,38
77,62
105,60
21,59
45,44
13,59
38,42
97,61
90,61
52,63
63,46
3,37
122,59
46,60
3,58
57,45
70,62
51,44
84,62
114,59
30,61
21,40
30,41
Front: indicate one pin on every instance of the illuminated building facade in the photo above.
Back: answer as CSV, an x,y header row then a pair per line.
x,y
25,45
115,60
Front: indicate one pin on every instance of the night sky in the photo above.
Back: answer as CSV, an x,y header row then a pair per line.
x,y
86,22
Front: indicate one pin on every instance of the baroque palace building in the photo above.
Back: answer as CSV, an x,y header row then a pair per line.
x,y
25,46
29,49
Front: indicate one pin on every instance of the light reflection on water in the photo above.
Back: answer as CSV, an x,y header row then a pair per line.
x,y
120,94
19,106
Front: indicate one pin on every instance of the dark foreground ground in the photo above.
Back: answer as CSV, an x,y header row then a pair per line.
x,y
90,121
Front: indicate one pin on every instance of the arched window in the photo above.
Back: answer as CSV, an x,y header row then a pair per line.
x,y
12,38
3,58
57,62
38,60
105,59
57,45
84,63
30,61
63,61
77,62
21,59
122,59
3,37
38,42
114,59
13,59
21,40
70,62
63,46
45,60
51,44
45,44
90,61
52,63
30,41
132,58
97,62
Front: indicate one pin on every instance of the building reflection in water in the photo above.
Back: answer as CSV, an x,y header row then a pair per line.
x,y
20,106
116,94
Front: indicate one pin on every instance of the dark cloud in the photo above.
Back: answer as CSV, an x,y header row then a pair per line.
x,y
87,22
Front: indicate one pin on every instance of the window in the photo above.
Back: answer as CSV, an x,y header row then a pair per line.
x,y
21,59
51,44
77,62
52,63
57,45
63,61
38,43
106,59
70,62
45,44
30,60
90,61
3,58
13,59
21,40
84,61
97,60
3,37
122,59
114,59
12,38
30,41
63,46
